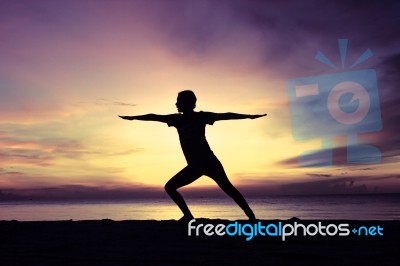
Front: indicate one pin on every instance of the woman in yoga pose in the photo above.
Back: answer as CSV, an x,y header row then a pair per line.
x,y
200,158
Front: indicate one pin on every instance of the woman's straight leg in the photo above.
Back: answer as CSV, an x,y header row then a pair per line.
x,y
217,173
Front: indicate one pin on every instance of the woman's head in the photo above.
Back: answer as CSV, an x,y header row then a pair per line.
x,y
186,101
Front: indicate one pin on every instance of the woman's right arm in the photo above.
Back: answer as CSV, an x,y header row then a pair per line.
x,y
148,117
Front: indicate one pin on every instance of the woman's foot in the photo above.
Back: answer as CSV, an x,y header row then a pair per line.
x,y
250,214
252,218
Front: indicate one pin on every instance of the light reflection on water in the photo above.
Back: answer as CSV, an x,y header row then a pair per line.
x,y
358,207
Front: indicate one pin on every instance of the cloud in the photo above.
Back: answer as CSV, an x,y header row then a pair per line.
x,y
46,151
40,152
389,154
327,181
331,186
284,35
4,172
344,185
389,82
106,102
25,156
82,192
319,175
121,191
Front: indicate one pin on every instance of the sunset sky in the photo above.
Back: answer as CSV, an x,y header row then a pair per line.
x,y
69,68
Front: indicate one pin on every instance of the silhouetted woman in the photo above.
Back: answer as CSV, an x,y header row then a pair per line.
x,y
200,158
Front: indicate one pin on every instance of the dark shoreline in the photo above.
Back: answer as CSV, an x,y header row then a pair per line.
x,y
107,242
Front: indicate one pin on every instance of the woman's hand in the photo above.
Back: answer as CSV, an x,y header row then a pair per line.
x,y
126,117
256,116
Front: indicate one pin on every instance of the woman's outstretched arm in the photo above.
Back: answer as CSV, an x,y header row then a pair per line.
x,y
148,117
232,116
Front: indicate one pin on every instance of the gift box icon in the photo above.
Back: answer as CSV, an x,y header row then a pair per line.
x,y
343,103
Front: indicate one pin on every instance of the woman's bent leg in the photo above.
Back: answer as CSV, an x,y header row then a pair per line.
x,y
186,176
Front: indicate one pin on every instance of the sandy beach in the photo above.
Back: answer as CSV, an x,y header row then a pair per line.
x,y
107,242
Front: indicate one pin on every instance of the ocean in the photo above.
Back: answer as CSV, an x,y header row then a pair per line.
x,y
347,207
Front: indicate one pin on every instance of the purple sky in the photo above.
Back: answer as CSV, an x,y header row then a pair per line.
x,y
70,53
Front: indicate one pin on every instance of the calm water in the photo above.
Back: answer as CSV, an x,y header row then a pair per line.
x,y
357,207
